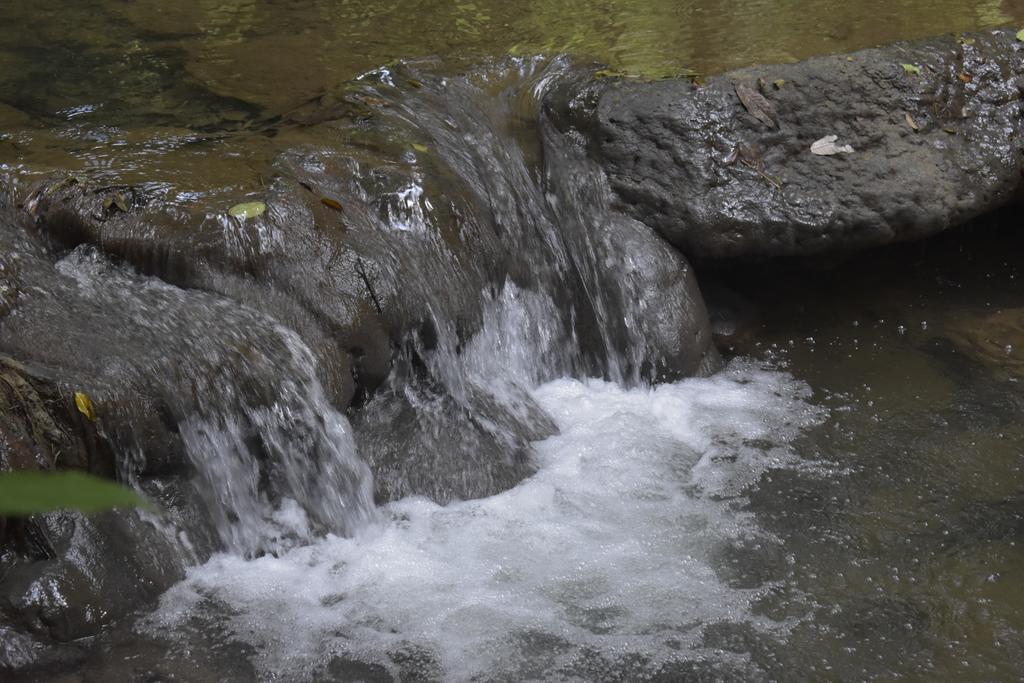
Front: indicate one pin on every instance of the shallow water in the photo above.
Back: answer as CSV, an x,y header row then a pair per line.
x,y
913,556
84,60
127,90
852,512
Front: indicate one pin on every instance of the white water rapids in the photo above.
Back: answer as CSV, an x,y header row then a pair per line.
x,y
607,549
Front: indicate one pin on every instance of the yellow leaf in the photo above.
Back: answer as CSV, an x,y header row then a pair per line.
x,y
419,148
911,122
120,202
331,203
911,69
84,405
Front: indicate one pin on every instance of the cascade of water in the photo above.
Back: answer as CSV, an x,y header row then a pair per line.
x,y
549,210
494,254
501,206
274,462
282,471
510,269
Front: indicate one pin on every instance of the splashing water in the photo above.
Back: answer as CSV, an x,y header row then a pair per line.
x,y
606,549
310,451
274,462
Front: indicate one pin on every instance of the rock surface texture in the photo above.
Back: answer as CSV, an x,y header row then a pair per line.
x,y
935,127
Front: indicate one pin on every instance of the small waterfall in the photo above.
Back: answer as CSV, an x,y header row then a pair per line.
x,y
278,473
494,257
487,250
274,463
494,201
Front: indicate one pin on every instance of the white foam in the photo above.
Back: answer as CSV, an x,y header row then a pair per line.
x,y
609,546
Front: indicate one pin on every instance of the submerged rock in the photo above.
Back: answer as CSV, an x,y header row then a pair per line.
x,y
934,146
407,435
995,340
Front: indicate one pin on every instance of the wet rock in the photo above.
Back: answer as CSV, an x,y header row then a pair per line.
x,y
689,160
196,250
104,567
153,358
416,664
343,668
407,432
40,428
64,576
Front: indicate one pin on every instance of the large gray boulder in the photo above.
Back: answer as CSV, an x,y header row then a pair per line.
x,y
936,143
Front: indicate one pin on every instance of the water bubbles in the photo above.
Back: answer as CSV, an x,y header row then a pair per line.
x,y
468,580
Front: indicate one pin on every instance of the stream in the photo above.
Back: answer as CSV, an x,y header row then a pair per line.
x,y
529,489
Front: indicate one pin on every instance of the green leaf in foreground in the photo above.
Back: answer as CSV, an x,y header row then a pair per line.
x,y
1020,35
247,210
911,69
26,493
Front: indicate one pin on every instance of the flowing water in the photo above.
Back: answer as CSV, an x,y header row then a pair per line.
x,y
841,502
602,562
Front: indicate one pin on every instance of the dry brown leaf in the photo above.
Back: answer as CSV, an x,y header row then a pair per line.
x,y
756,104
